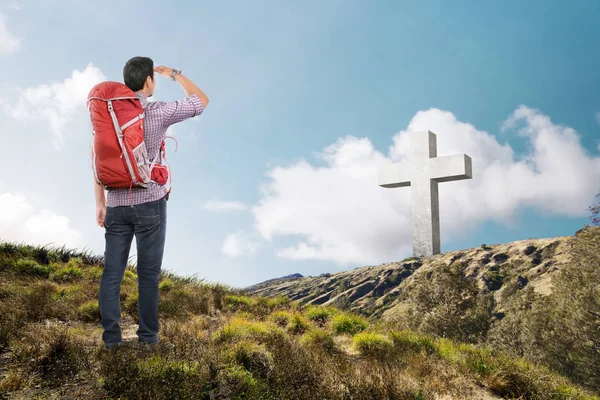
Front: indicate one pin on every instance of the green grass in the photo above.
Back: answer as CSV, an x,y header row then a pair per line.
x,y
166,285
298,324
413,341
373,344
30,267
348,324
320,315
281,318
239,303
70,272
90,311
319,339
242,328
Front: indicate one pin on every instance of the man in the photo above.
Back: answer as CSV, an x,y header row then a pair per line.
x,y
140,211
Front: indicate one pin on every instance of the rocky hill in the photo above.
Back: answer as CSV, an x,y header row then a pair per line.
x,y
501,269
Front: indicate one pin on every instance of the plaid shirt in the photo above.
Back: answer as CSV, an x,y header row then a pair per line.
x,y
159,115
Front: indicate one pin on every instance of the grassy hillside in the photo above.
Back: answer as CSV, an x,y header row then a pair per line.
x,y
536,298
219,344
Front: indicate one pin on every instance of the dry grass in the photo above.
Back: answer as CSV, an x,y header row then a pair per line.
x,y
216,343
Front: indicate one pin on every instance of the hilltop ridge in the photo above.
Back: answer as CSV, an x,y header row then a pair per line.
x,y
376,290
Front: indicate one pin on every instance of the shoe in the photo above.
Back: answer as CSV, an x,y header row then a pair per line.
x,y
112,346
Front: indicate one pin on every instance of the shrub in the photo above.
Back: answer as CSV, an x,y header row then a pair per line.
x,y
5,335
479,360
129,276
38,300
180,302
236,382
260,306
348,324
410,259
67,273
281,318
130,306
298,324
69,295
41,255
236,303
529,250
94,273
9,249
406,341
319,339
449,304
90,311
166,285
53,355
252,356
126,376
219,291
29,267
8,327
278,302
319,314
493,280
15,380
63,358
595,212
372,344
500,258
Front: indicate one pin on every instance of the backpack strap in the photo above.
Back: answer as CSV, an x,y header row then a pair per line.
x,y
133,121
155,160
119,133
168,166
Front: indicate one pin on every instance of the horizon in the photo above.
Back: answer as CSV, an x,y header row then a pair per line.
x,y
279,174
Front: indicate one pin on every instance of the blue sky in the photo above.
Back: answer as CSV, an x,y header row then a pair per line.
x,y
308,99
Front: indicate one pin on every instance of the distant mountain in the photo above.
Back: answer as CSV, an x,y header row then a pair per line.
x,y
274,281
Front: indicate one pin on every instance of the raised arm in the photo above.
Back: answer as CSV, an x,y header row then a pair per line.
x,y
188,86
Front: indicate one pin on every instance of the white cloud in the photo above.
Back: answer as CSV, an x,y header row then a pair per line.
x,y
16,7
224,206
239,244
340,214
8,42
57,103
20,222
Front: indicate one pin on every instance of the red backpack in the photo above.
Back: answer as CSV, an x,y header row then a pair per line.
x,y
119,154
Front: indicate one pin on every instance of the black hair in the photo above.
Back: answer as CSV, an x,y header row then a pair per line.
x,y
136,71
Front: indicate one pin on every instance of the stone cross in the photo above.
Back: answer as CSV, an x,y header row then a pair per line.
x,y
424,172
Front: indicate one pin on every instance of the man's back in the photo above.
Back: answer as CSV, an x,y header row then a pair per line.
x,y
158,116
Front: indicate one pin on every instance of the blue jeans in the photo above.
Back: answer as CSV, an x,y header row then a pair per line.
x,y
148,222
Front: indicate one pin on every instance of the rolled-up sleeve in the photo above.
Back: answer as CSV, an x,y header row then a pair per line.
x,y
176,111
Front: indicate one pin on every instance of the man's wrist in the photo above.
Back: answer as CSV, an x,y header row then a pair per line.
x,y
175,72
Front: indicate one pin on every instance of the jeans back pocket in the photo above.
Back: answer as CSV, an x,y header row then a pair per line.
x,y
148,214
